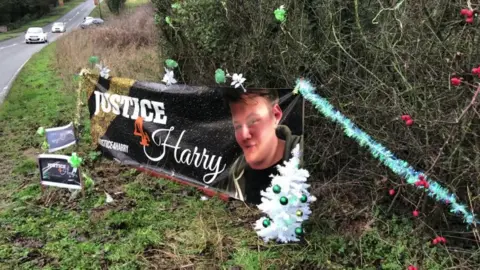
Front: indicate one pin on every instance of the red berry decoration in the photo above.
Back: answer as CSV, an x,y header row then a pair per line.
x,y
476,71
391,192
415,213
456,81
411,267
406,117
464,11
439,240
469,20
409,122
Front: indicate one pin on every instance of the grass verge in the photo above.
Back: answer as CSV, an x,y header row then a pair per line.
x,y
51,17
156,224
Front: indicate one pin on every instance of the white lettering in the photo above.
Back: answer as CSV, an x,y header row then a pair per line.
x,y
126,103
210,162
56,165
98,97
159,112
113,145
143,110
130,107
115,99
106,106
136,110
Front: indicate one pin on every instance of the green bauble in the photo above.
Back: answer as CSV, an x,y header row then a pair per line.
x,y
299,231
276,189
93,59
304,198
299,213
283,200
171,64
266,222
220,76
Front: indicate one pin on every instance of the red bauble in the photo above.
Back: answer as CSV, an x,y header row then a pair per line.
x,y
455,81
464,11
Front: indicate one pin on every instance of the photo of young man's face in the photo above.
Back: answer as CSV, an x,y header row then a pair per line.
x,y
255,119
266,125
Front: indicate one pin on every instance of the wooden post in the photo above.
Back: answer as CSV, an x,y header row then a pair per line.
x,y
82,185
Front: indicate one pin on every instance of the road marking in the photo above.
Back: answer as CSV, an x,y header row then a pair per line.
x,y
1,48
15,75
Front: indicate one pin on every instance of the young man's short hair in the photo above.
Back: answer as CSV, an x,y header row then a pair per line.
x,y
236,95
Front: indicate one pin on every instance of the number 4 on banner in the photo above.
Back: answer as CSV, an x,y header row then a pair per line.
x,y
138,131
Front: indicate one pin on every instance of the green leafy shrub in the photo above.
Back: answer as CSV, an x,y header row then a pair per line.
x,y
374,61
115,5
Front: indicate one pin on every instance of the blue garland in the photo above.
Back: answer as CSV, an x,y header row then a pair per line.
x,y
398,166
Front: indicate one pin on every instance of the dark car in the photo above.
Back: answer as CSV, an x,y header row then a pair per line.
x,y
90,21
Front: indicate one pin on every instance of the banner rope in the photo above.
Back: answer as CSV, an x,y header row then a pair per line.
x,y
398,166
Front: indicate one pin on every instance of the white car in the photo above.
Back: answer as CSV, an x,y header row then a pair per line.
x,y
35,34
59,27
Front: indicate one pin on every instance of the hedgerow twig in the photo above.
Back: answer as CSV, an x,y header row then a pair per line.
x,y
472,102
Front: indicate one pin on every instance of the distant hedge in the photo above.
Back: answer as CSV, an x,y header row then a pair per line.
x,y
374,60
115,5
14,12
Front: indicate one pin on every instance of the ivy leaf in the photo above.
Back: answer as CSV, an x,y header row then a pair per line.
x,y
88,181
45,145
41,131
168,20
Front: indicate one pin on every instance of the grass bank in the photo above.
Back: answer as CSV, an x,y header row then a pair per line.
x,y
154,223
49,18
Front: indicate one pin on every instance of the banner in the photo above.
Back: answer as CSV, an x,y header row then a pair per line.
x,y
218,138
56,171
60,137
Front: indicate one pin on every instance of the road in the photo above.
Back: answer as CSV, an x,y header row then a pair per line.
x,y
14,53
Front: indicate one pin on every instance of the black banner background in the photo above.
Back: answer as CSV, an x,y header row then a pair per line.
x,y
200,111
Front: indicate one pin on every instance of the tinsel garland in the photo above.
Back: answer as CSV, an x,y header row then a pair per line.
x,y
398,166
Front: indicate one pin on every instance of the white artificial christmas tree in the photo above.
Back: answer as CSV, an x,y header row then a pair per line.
x,y
286,202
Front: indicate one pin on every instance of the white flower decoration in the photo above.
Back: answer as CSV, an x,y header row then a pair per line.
x,y
104,71
238,80
168,78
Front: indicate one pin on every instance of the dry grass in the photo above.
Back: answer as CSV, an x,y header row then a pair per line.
x,y
126,44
